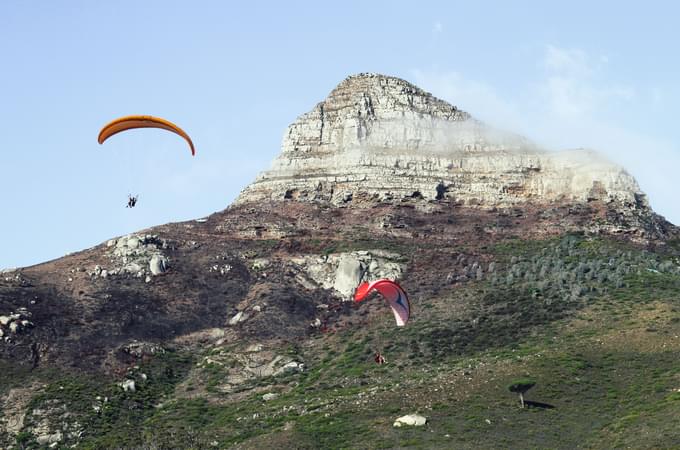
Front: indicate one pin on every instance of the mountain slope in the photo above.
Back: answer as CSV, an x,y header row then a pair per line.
x,y
231,331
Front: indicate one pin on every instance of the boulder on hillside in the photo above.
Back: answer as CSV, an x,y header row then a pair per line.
x,y
414,420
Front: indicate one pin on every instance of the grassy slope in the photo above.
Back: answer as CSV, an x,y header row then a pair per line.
x,y
595,322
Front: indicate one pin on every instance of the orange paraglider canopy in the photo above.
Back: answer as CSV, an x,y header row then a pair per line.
x,y
131,122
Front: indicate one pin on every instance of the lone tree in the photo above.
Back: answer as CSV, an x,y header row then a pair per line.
x,y
520,386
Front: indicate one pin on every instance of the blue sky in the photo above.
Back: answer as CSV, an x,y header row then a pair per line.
x,y
579,74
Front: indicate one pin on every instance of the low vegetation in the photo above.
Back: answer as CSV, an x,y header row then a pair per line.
x,y
591,325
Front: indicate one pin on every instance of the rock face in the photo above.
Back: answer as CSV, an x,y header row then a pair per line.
x,y
381,138
158,264
414,420
348,275
343,272
134,255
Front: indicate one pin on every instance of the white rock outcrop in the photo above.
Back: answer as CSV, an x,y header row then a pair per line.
x,y
348,274
49,439
158,264
414,420
255,362
381,138
238,317
292,366
134,255
15,322
128,385
342,272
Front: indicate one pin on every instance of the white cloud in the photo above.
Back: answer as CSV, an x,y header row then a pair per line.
x,y
573,86
566,61
573,104
476,97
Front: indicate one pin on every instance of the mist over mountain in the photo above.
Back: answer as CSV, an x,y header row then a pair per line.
x,y
376,136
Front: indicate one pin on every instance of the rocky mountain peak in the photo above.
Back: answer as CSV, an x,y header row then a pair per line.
x,y
377,113
380,138
375,96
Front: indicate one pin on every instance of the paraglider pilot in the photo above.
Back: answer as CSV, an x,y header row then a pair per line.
x,y
379,358
132,201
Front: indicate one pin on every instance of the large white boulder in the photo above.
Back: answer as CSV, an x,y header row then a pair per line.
x,y
292,366
158,264
238,317
348,275
133,242
128,385
414,420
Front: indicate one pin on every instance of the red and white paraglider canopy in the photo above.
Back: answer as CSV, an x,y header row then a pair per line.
x,y
393,293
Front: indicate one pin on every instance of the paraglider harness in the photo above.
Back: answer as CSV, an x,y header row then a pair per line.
x,y
132,201
379,358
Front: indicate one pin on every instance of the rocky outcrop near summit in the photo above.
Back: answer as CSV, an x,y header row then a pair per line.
x,y
381,138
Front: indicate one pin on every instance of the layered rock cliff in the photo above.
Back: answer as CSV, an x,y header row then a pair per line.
x,y
381,138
